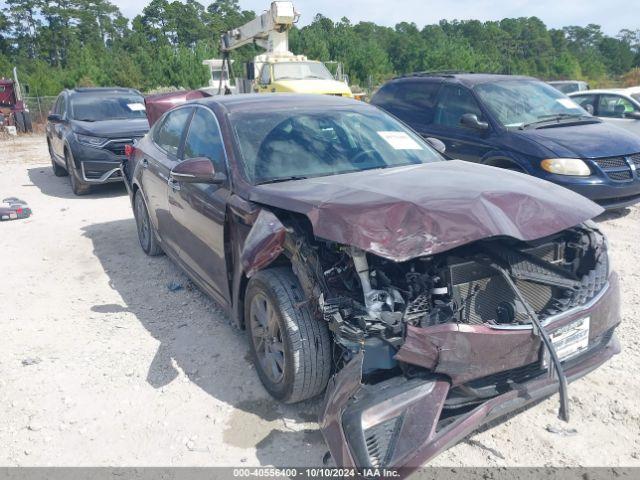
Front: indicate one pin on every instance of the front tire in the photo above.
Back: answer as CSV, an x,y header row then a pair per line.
x,y
78,187
146,233
58,170
290,348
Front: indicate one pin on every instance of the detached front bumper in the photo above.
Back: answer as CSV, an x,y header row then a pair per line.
x,y
403,423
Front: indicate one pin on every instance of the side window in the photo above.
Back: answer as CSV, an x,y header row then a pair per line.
x,y
60,105
385,96
588,102
265,74
614,106
204,139
169,134
412,101
454,102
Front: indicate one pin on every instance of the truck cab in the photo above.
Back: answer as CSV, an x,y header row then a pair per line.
x,y
296,74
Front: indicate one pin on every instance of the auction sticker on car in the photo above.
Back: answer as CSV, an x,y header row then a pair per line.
x,y
571,339
400,141
136,107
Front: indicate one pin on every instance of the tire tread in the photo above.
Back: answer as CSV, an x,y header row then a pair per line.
x,y
309,338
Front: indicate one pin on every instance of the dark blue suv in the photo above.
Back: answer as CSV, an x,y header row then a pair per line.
x,y
522,124
87,131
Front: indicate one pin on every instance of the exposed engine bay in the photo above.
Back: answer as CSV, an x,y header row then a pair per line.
x,y
369,301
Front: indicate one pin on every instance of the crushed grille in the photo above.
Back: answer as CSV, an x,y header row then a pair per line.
x,y
479,291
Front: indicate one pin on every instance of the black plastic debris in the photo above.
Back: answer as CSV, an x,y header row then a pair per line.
x,y
13,208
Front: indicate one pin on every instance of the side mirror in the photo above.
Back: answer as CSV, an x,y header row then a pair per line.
x,y
589,108
438,145
470,120
197,170
54,118
633,115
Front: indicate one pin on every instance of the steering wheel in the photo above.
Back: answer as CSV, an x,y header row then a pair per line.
x,y
368,152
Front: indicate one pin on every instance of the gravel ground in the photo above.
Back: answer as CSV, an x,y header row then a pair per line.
x,y
103,365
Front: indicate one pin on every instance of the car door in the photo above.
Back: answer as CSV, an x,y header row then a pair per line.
x,y
616,109
58,128
587,101
157,162
462,142
198,210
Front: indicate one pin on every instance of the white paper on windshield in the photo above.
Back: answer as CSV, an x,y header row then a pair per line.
x,y
136,107
400,141
567,102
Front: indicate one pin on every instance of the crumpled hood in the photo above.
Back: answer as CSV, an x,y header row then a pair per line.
x,y
407,212
119,128
585,141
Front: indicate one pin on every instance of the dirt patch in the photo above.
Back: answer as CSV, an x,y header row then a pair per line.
x,y
103,364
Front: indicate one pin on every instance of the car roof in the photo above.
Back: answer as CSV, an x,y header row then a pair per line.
x,y
622,91
467,79
565,82
102,90
278,101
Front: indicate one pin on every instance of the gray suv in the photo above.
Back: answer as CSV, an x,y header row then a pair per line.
x,y
87,131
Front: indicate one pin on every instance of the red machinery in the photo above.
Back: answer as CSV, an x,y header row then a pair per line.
x,y
13,109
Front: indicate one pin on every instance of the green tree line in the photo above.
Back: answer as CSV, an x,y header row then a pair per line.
x,y
59,44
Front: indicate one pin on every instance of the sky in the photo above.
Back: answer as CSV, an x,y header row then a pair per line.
x,y
612,15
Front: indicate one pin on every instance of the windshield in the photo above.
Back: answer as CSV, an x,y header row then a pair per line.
x,y
300,70
95,108
284,145
516,103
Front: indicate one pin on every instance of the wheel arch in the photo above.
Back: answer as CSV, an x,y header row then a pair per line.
x,y
504,161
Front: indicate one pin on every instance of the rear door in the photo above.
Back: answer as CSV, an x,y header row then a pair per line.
x,y
157,162
198,210
462,142
57,129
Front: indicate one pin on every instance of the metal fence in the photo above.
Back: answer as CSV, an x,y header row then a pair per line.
x,y
39,108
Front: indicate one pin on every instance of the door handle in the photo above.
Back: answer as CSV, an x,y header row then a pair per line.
x,y
173,183
145,163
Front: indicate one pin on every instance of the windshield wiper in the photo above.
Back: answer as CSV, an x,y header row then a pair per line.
x,y
85,119
282,179
556,117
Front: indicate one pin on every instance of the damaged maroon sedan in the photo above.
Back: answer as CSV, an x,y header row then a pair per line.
x,y
422,297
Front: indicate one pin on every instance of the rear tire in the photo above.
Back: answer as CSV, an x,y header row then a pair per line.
x,y
78,187
28,125
146,234
290,348
20,122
